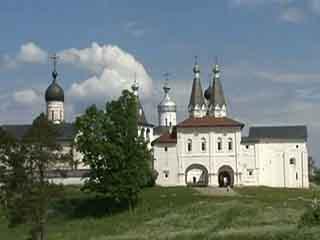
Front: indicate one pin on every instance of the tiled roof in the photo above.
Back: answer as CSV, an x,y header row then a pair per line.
x,y
278,132
209,121
167,137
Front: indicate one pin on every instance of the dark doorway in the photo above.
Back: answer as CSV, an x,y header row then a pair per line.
x,y
196,175
226,176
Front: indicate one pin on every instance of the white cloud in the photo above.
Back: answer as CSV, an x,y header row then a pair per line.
x,y
113,70
31,53
27,97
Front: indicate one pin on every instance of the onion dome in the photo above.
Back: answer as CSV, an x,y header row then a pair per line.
x,y
207,93
54,92
167,104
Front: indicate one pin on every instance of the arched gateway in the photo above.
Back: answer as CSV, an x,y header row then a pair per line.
x,y
196,175
226,176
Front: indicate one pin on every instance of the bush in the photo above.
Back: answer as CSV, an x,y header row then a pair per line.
x,y
311,216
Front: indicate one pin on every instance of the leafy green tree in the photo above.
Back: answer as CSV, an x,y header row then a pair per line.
x,y
118,157
26,189
316,176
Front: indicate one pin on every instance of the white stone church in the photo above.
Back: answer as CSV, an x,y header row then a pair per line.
x,y
208,147
205,149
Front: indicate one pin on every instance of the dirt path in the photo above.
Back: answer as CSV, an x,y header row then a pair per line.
x,y
216,191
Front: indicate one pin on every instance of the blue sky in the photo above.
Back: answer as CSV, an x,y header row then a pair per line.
x,y
268,50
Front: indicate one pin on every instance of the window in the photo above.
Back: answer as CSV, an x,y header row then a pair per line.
x,y
292,161
230,144
203,144
247,146
297,146
189,145
52,115
166,149
166,175
296,176
250,172
166,122
60,115
219,144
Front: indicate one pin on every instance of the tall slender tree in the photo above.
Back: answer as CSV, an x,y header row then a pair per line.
x,y
118,157
26,189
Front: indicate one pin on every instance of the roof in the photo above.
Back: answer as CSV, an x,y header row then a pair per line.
x,y
160,129
216,95
54,92
278,132
210,121
66,131
167,137
196,97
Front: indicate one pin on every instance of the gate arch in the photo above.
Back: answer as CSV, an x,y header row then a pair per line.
x,y
196,175
226,176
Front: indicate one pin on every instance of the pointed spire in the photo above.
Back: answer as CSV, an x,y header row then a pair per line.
x,y
196,104
135,85
166,87
217,100
54,58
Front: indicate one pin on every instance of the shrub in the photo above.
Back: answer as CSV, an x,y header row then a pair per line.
x,y
311,216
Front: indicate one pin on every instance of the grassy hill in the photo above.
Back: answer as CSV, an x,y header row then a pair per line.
x,y
179,213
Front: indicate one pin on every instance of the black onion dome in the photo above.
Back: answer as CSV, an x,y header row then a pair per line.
x,y
54,92
207,93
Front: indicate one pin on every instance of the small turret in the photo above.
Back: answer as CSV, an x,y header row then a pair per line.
x,y
54,97
217,102
197,106
167,108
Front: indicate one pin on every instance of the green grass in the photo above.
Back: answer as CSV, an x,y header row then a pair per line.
x,y
179,213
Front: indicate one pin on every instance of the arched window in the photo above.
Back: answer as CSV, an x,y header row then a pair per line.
x,y
166,122
189,145
203,145
230,144
219,144
52,116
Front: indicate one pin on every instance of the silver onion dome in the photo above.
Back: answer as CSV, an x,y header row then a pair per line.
x,y
54,92
167,104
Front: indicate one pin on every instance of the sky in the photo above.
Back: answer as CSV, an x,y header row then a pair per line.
x,y
268,51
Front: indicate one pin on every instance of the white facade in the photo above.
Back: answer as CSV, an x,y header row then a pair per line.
x,y
208,148
218,150
55,111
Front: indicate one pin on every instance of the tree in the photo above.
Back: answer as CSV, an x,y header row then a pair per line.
x,y
26,189
118,157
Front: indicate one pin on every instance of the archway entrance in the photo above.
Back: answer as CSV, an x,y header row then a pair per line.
x,y
196,175
226,176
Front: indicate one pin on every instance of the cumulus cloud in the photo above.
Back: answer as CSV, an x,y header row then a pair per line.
x,y
29,53
27,97
112,70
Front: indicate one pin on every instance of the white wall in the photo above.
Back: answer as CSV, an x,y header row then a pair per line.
x,y
55,111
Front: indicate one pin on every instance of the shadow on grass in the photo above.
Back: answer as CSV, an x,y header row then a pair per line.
x,y
93,206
